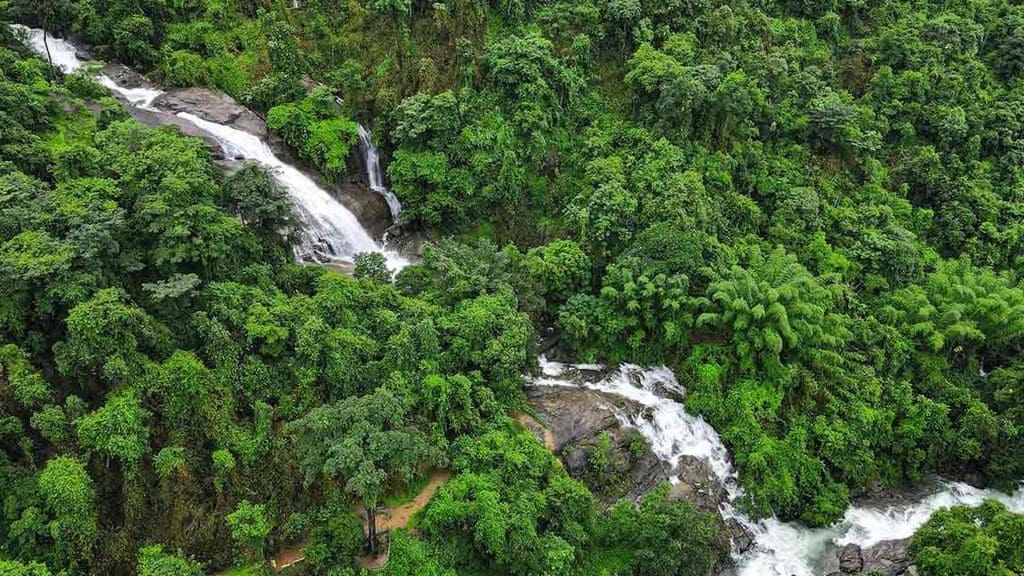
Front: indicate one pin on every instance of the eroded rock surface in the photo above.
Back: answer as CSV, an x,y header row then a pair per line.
x,y
887,558
213,107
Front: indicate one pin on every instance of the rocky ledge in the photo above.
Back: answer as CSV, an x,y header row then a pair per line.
x,y
213,107
577,418
887,558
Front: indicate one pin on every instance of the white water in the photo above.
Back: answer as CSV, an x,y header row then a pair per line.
x,y
780,548
374,174
330,231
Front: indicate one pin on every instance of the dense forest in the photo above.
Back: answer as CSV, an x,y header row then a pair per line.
x,y
813,212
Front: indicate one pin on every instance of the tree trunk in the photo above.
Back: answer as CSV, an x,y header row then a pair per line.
x,y
371,525
49,58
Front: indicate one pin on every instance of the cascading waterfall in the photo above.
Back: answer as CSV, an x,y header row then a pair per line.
x,y
780,548
374,174
330,231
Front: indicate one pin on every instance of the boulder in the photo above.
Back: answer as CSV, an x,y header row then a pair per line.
x,y
155,118
124,76
741,537
850,560
888,558
572,415
213,107
369,207
696,482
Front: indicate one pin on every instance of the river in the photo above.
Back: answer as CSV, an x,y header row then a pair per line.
x,y
779,548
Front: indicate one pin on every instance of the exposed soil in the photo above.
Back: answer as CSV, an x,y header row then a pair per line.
x,y
540,430
287,557
398,516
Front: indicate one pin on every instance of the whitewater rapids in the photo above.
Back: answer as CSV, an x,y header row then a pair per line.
x,y
780,548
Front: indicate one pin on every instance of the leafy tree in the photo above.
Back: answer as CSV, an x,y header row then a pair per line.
x,y
249,528
363,445
116,430
261,203
665,537
153,561
372,265
984,540
69,495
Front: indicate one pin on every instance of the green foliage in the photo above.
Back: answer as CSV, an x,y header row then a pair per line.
x,y
14,568
153,561
335,538
372,265
510,507
313,128
985,541
664,537
116,430
811,212
182,68
249,528
67,490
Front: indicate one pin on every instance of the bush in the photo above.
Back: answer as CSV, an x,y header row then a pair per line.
x,y
183,68
987,540
133,40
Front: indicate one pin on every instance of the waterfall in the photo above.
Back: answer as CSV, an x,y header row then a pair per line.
x,y
330,231
374,174
780,548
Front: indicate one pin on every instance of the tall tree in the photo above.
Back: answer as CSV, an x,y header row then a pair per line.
x,y
362,444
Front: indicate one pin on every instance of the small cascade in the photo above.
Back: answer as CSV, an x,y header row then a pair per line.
x,y
780,548
374,174
331,233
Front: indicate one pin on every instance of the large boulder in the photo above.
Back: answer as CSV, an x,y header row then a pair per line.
x,y
576,418
572,415
887,558
124,76
213,107
695,481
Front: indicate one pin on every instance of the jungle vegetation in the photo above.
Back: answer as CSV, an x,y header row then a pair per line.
x,y
811,211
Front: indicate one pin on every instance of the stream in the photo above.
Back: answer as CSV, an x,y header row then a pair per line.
x,y
779,548
330,232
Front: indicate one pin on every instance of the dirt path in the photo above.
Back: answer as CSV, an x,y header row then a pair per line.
x,y
393,518
287,557
541,431
398,516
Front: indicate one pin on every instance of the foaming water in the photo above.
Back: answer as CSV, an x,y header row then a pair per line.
x,y
374,173
780,548
672,432
330,231
62,52
329,226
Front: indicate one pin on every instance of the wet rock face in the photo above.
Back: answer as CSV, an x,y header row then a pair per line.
x,y
850,560
697,483
577,418
211,106
742,538
368,206
572,415
580,421
887,558
156,118
124,76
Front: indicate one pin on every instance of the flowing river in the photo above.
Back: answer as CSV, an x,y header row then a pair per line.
x,y
780,548
330,231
